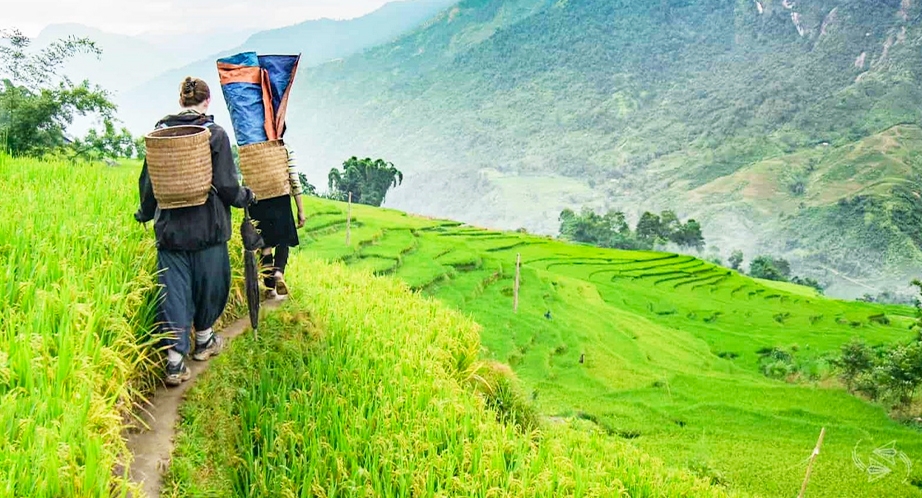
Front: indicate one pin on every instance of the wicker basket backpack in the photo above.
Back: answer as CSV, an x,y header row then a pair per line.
x,y
179,165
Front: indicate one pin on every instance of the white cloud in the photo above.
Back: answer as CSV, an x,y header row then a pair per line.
x,y
133,17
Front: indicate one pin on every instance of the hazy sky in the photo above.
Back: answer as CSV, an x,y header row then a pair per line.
x,y
137,16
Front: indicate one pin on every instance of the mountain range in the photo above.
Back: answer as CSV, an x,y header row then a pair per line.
x,y
318,41
784,127
787,127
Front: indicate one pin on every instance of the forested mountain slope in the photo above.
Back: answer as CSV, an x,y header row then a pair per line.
x,y
522,107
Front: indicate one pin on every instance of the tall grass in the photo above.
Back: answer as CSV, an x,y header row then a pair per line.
x,y
76,313
359,388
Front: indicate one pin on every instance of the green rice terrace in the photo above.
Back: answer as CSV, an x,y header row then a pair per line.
x,y
398,367
656,349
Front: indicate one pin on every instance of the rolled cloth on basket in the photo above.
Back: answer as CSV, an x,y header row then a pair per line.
x,y
179,165
256,89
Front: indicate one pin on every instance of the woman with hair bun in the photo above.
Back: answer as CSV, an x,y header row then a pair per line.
x,y
192,255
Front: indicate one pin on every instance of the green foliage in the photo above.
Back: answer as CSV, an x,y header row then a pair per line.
x,y
889,372
779,270
37,104
918,304
809,282
608,230
306,185
367,180
612,231
736,260
902,372
687,235
111,144
856,358
650,229
769,268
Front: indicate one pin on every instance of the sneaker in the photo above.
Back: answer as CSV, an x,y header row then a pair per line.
x,y
211,348
177,374
280,284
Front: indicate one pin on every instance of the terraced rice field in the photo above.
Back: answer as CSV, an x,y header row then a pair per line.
x,y
658,349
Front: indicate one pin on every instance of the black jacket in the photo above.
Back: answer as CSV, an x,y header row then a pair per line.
x,y
198,227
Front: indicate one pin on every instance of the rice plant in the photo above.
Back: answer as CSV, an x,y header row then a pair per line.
x,y
76,315
359,388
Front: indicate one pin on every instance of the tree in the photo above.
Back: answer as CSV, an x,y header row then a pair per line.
x,y
36,103
902,371
736,259
768,268
367,180
669,225
689,236
809,282
857,358
648,229
609,230
306,185
111,144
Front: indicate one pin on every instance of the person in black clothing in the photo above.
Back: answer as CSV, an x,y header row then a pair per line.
x,y
277,227
192,254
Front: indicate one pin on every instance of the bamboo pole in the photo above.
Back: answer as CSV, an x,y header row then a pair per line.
x,y
349,221
518,272
816,452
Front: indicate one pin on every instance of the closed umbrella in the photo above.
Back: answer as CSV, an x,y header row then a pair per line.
x,y
252,242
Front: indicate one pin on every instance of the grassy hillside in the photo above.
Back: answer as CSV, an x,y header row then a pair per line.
x,y
625,105
359,388
76,281
655,349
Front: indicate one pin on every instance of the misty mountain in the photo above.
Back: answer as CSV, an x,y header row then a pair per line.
x,y
770,121
318,41
128,61
125,62
195,45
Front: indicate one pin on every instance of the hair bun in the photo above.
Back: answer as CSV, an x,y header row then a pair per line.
x,y
193,91
188,88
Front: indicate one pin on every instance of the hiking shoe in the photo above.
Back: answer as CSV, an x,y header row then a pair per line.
x,y
280,286
177,374
211,348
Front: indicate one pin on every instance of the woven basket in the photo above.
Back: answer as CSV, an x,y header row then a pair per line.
x,y
179,164
265,169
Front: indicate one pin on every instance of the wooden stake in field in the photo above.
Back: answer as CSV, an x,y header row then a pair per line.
x,y
816,451
349,221
515,289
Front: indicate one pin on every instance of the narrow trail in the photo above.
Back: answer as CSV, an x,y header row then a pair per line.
x,y
152,448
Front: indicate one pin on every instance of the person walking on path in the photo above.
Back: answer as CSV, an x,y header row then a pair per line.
x,y
192,256
277,227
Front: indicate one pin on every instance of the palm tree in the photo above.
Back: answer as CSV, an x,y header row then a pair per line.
x,y
368,180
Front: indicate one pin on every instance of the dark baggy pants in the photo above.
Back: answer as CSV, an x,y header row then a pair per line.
x,y
196,286
273,264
